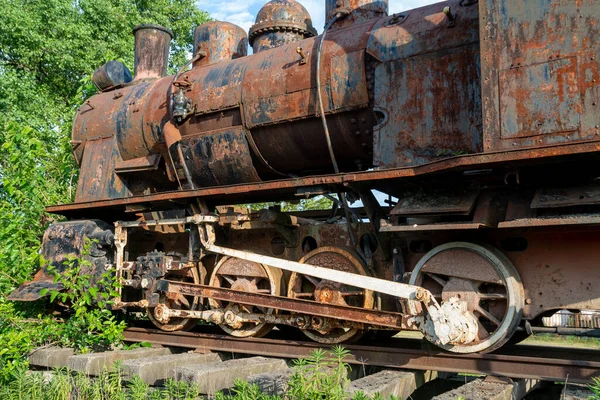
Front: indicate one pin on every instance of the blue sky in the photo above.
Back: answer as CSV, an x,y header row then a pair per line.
x,y
243,12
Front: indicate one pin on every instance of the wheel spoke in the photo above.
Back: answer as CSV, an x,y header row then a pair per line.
x,y
228,279
312,280
437,278
181,299
492,296
487,315
352,293
304,295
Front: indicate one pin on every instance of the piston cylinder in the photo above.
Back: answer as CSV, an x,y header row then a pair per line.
x,y
152,46
219,41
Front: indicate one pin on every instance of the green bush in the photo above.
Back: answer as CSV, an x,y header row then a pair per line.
x,y
92,324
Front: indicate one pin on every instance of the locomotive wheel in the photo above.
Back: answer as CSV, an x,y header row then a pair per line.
x,y
485,279
309,288
247,276
179,302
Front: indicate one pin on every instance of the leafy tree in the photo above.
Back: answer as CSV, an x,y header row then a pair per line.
x,y
48,51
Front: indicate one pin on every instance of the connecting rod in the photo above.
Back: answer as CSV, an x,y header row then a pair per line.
x,y
442,324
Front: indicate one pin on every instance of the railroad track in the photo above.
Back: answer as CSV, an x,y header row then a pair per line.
x,y
530,362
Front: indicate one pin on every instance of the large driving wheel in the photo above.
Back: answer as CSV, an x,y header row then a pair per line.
x,y
485,279
178,302
324,291
247,276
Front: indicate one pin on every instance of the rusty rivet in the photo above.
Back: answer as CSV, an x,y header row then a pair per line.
x,y
367,132
594,103
528,301
353,120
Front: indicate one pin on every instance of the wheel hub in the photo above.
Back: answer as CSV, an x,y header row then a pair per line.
x,y
462,290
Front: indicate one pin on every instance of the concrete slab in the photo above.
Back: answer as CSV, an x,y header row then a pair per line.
x,y
51,357
95,363
222,375
478,389
155,370
387,383
272,383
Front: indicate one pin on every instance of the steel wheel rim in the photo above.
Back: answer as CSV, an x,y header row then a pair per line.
x,y
296,281
271,282
510,280
178,324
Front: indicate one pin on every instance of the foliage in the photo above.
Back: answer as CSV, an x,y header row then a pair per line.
x,y
245,391
322,375
314,203
595,388
48,51
89,300
64,384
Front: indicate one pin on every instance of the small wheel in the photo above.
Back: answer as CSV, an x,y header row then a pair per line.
x,y
247,276
180,302
485,279
324,291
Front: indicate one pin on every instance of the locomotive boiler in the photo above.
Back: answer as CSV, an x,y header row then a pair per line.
x,y
477,120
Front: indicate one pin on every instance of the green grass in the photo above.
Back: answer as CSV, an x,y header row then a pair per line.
x,y
561,340
595,388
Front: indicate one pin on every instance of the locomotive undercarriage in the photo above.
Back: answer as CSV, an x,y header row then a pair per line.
x,y
485,260
492,284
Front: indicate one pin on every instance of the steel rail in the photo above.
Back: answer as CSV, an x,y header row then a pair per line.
x,y
520,362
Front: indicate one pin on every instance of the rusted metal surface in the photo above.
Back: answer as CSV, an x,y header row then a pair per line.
x,y
101,180
521,362
540,72
281,188
427,88
330,310
249,277
280,22
358,11
399,91
331,292
219,41
111,75
62,246
222,158
152,47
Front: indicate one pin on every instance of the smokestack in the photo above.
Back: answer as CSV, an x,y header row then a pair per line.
x,y
219,41
152,46
360,11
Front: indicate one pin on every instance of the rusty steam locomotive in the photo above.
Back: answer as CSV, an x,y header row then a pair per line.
x,y
481,117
